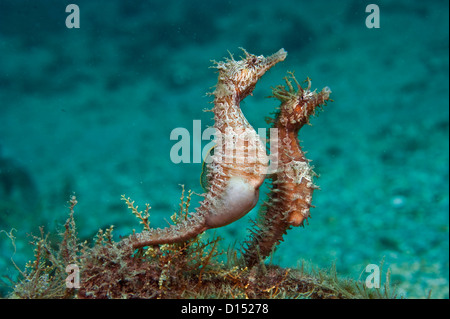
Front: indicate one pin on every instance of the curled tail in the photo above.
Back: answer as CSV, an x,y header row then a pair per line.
x,y
184,230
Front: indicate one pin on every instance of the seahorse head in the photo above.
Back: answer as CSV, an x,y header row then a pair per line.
x,y
298,104
242,75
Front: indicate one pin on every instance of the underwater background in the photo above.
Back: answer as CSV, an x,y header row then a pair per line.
x,y
89,111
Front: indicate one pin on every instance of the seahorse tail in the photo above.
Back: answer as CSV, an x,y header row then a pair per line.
x,y
184,230
265,235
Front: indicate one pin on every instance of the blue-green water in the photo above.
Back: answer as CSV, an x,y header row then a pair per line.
x,y
90,110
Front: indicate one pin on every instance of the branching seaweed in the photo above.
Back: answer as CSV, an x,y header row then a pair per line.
x,y
178,261
192,269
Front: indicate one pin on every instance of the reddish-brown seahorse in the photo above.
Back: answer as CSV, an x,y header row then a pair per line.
x,y
239,163
289,200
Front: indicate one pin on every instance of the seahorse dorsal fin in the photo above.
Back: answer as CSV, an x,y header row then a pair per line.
x,y
204,182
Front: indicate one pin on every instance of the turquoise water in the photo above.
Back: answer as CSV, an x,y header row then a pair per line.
x,y
90,110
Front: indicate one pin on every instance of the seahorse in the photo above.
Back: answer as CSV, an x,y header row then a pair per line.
x,y
290,198
239,163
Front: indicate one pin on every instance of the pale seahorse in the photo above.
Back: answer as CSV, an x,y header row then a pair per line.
x,y
239,163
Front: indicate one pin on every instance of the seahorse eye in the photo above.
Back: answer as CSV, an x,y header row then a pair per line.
x,y
252,61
